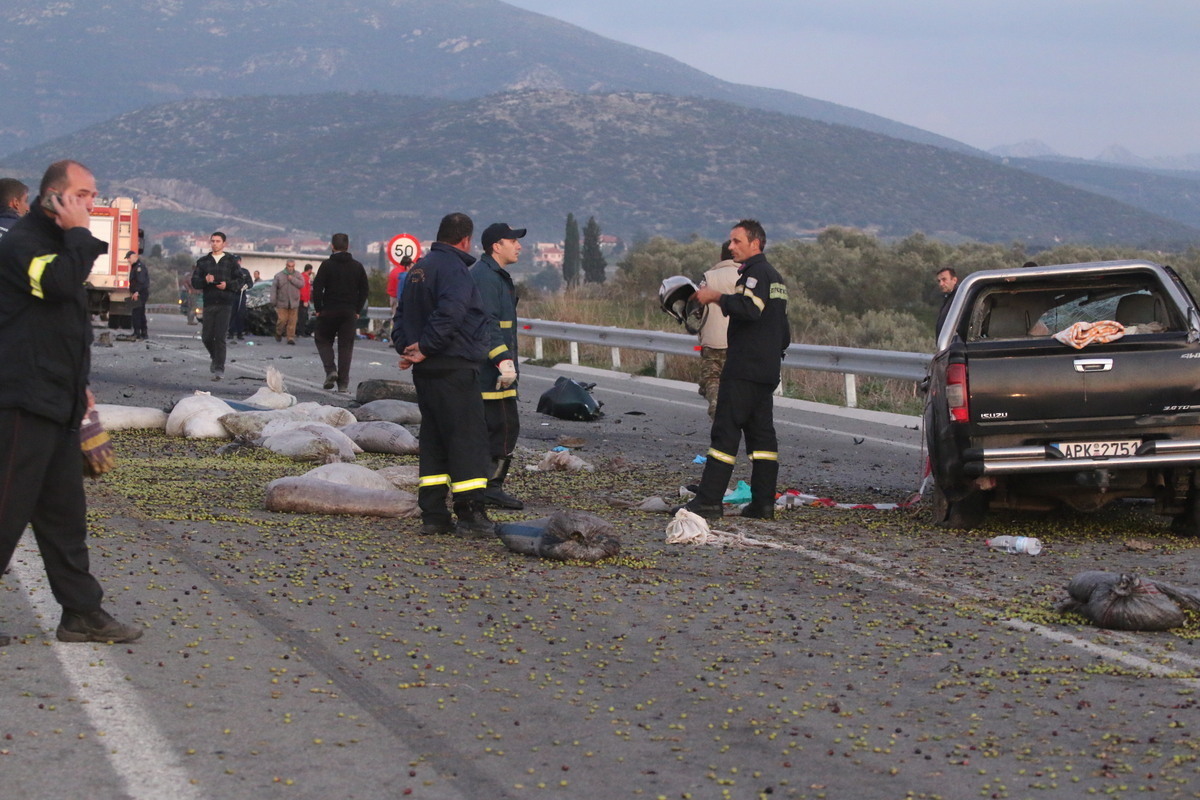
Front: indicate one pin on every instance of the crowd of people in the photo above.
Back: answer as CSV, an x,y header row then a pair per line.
x,y
454,325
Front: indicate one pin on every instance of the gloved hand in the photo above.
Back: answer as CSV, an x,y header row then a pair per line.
x,y
508,374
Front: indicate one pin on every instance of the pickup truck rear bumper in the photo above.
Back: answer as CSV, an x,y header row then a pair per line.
x,y
1159,453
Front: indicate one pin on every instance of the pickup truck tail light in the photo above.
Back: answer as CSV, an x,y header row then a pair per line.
x,y
956,392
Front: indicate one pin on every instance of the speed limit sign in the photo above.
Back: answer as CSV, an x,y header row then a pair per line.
x,y
403,245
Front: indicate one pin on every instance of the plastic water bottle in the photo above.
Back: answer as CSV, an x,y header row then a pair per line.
x,y
1016,544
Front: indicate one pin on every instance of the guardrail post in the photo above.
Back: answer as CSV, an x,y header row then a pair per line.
x,y
575,354
851,391
616,358
537,348
660,364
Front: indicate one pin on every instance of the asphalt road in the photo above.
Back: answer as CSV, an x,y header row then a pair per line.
x,y
838,654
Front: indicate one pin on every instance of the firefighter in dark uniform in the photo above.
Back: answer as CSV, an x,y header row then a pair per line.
x,y
498,372
440,330
758,336
45,358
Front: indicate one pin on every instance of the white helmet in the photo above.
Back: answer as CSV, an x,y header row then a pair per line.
x,y
674,296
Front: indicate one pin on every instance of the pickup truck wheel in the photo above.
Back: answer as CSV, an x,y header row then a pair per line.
x,y
963,514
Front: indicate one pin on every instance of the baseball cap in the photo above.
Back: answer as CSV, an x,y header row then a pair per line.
x,y
497,231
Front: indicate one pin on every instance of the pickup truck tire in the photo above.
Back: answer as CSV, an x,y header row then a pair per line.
x,y
965,514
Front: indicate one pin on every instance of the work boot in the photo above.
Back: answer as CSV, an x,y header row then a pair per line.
x,y
330,380
95,626
759,511
434,527
494,494
473,522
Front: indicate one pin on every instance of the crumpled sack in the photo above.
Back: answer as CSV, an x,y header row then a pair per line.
x,y
1122,602
312,442
1081,334
124,418
350,475
306,494
400,412
198,417
568,399
249,424
402,475
562,460
382,437
563,536
330,415
273,395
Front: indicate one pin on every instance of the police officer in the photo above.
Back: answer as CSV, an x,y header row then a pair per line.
x,y
758,335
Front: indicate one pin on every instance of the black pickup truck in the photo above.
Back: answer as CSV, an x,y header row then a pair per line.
x,y
1015,418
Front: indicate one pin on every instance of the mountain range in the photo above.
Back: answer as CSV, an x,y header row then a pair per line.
x,y
376,116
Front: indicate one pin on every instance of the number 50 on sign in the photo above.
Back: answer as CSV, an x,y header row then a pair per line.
x,y
404,244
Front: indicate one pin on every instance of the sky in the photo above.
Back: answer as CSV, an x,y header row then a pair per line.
x,y
1078,75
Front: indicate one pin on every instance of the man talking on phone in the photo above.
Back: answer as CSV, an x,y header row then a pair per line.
x,y
45,357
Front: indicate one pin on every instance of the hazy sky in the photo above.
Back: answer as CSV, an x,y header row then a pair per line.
x,y
1079,75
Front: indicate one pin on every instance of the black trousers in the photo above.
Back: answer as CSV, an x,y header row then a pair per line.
x,y
41,484
504,426
212,332
138,318
340,325
744,408
454,449
237,317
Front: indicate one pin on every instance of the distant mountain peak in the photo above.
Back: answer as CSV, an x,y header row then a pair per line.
x,y
1028,148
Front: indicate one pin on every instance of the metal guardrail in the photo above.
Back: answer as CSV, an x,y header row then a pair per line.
x,y
850,361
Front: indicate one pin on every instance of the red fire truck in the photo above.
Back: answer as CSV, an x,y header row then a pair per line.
x,y
108,284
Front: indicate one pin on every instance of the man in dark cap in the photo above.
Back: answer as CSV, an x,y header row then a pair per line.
x,y
498,372
139,293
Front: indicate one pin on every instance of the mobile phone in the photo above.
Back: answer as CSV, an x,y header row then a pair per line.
x,y
47,202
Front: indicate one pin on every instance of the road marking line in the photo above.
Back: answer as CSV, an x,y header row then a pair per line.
x,y
140,755
890,577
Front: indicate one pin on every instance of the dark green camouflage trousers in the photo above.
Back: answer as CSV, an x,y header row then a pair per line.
x,y
712,361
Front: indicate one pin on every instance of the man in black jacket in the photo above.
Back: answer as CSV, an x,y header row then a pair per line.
x,y
339,292
216,275
440,330
759,333
45,357
139,293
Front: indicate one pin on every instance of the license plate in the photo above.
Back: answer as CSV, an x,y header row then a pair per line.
x,y
1126,447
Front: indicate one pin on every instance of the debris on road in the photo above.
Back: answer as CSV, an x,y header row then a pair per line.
x,y
562,460
1126,602
563,536
569,399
